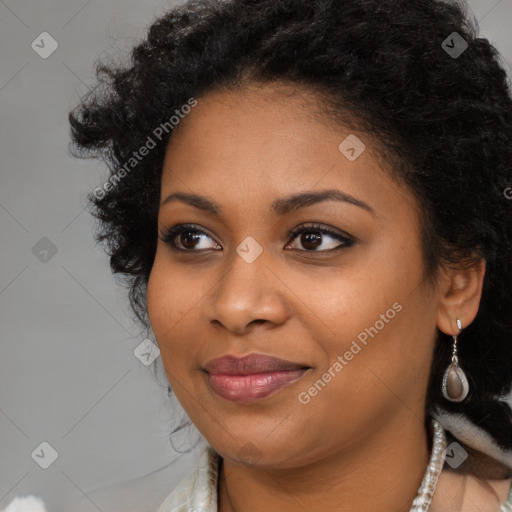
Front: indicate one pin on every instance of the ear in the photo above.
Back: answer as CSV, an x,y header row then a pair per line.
x,y
460,292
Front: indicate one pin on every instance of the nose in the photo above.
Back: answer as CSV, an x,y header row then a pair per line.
x,y
248,294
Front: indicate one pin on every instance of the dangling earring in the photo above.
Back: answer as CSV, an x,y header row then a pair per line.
x,y
455,384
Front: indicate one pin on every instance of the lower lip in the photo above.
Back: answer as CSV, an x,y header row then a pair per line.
x,y
248,388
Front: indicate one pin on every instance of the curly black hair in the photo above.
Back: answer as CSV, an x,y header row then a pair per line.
x,y
439,103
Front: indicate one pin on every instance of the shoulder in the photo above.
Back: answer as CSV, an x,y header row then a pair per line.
x,y
467,493
141,494
198,489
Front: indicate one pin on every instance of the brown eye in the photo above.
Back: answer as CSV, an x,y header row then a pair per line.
x,y
192,239
187,238
311,240
312,237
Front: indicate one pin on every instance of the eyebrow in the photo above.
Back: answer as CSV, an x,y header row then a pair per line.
x,y
279,207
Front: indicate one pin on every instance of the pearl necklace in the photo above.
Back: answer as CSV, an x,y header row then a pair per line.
x,y
435,465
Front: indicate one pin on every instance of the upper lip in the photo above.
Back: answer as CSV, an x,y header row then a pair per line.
x,y
253,363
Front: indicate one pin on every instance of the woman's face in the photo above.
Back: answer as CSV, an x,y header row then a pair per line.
x,y
351,305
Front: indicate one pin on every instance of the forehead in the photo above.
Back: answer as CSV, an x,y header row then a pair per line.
x,y
259,144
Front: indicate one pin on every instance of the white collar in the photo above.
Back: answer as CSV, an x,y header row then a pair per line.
x,y
196,492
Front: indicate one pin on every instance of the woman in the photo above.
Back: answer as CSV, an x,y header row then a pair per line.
x,y
310,201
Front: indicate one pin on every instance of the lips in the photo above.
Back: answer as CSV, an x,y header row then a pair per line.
x,y
251,364
251,378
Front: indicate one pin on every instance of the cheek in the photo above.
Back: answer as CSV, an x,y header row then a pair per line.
x,y
165,307
158,298
381,322
169,295
173,301
362,292
366,331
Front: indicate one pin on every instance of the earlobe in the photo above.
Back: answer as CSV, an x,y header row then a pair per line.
x,y
460,293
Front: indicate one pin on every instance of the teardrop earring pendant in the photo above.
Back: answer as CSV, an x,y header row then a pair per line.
x,y
455,384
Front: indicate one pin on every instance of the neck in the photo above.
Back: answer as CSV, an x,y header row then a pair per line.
x,y
383,472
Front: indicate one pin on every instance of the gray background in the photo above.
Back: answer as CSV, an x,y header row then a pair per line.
x,y
68,373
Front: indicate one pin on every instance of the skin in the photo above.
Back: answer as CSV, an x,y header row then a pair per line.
x,y
360,443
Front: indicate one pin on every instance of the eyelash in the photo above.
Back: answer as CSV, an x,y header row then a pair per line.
x,y
347,241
